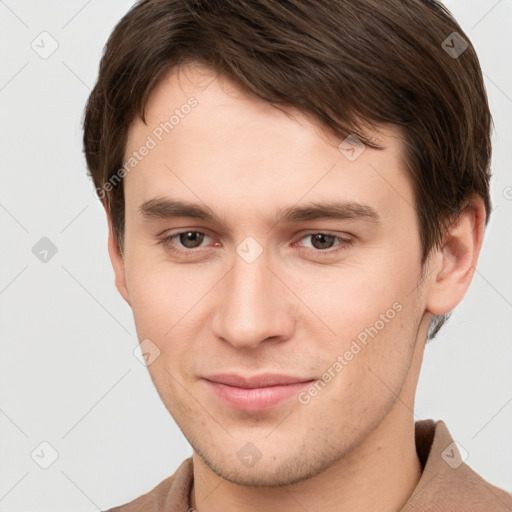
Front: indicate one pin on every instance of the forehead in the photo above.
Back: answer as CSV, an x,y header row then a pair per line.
x,y
211,139
217,94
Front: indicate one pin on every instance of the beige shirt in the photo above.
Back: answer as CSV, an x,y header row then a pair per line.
x,y
446,485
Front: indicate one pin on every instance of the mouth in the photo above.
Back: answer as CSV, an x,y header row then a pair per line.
x,y
257,393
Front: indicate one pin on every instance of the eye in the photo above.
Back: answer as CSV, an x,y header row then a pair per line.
x,y
186,240
190,239
322,241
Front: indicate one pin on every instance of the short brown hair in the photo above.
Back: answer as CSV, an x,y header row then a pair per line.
x,y
348,63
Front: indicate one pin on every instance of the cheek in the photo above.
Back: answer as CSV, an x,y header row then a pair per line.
x,y
162,300
368,316
365,366
161,293
346,300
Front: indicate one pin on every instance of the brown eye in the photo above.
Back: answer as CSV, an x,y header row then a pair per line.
x,y
324,244
191,239
322,241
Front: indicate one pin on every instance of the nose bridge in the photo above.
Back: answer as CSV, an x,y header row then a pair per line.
x,y
251,305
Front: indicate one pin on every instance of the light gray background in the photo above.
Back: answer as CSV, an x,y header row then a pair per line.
x,y
68,375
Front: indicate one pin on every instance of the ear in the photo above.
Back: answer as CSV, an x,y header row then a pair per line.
x,y
117,261
454,263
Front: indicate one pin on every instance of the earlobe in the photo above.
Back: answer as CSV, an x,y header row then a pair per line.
x,y
117,262
455,261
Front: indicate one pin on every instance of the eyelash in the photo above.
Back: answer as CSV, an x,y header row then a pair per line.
x,y
344,243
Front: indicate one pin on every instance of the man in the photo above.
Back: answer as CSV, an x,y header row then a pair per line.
x,y
297,193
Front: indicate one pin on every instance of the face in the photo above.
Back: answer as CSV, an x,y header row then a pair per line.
x,y
254,245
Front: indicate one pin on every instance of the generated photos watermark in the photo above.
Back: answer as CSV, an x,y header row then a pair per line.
x,y
342,361
152,141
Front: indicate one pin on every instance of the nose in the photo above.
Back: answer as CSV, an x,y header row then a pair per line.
x,y
253,305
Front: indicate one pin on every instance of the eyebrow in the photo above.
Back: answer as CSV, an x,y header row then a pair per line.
x,y
167,208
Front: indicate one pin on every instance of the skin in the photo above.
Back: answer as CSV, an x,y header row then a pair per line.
x,y
293,310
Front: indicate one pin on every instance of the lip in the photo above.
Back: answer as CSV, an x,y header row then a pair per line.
x,y
256,393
